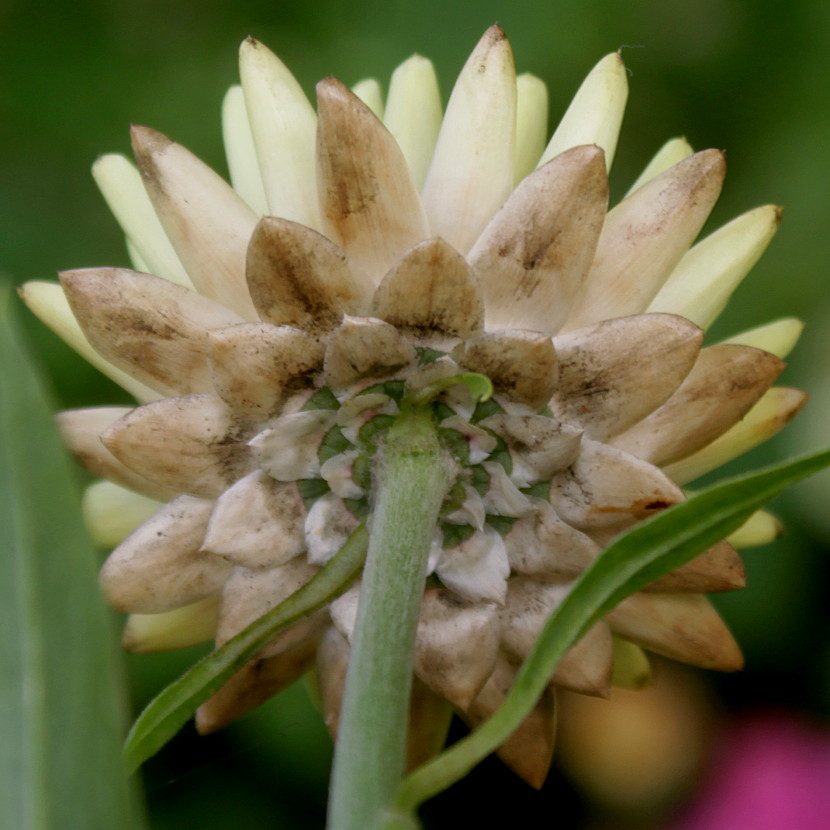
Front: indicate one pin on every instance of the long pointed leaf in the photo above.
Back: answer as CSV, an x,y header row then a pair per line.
x,y
61,699
650,550
170,709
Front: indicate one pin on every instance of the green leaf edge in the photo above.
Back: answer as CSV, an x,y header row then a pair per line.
x,y
479,387
44,686
648,551
170,709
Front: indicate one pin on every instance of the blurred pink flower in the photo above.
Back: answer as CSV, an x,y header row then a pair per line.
x,y
772,773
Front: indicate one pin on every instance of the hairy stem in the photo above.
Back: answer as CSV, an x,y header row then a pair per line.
x,y
411,478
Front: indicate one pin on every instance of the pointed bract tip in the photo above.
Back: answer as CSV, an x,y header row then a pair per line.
x,y
588,153
720,155
494,40
495,33
800,401
205,723
252,46
334,96
734,662
69,279
613,62
332,87
147,142
589,157
78,276
704,162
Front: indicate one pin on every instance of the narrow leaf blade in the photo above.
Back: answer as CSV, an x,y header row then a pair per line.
x,y
61,697
654,548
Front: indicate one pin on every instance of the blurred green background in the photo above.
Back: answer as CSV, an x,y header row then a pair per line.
x,y
749,76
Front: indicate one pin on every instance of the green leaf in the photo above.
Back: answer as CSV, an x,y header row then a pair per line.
x,y
359,508
540,490
362,471
312,489
427,355
484,409
333,443
61,695
480,479
371,431
648,551
391,388
442,411
171,709
323,398
456,496
457,444
455,534
501,524
501,453
479,387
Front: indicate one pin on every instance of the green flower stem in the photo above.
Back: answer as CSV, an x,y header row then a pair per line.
x,y
411,478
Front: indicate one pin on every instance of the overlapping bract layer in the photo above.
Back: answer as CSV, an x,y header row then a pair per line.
x,y
271,353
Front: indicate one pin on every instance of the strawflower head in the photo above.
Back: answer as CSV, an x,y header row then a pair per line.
x,y
273,331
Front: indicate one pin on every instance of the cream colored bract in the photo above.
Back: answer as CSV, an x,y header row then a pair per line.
x,y
271,331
